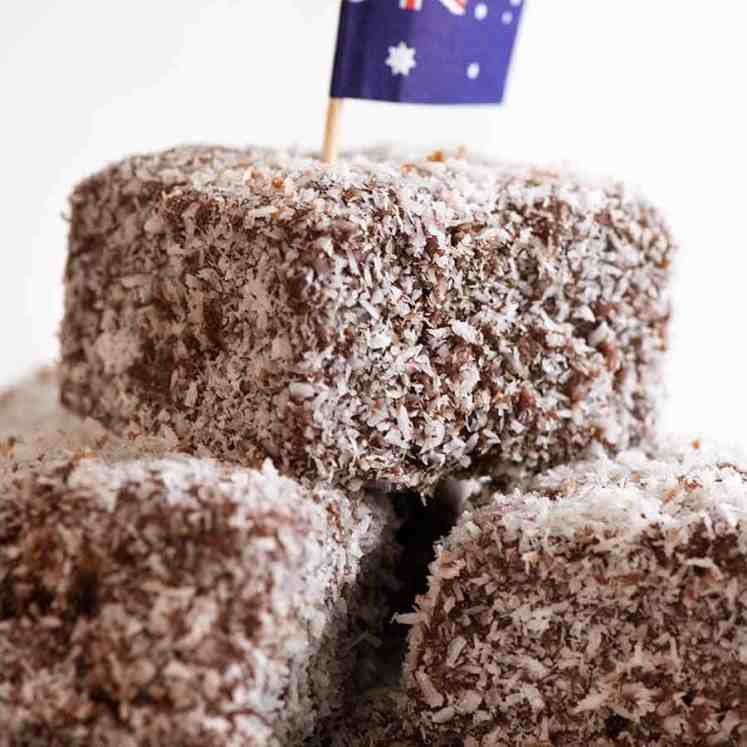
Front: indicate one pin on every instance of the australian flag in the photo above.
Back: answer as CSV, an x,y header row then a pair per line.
x,y
425,51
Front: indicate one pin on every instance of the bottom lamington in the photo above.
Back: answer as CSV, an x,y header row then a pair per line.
x,y
151,599
606,605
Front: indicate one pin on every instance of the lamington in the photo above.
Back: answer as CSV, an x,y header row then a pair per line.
x,y
149,598
605,606
384,320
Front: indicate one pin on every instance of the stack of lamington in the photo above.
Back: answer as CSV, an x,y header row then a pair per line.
x,y
289,382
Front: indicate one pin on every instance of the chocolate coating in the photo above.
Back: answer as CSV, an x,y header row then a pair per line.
x,y
606,607
384,319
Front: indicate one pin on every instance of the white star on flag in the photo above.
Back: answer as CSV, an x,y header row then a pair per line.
x,y
401,59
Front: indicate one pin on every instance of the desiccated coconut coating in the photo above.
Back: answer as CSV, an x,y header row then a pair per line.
x,y
609,607
382,319
165,601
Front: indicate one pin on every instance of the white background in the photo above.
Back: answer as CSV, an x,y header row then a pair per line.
x,y
650,91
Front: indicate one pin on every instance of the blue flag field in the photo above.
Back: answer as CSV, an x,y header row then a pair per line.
x,y
425,51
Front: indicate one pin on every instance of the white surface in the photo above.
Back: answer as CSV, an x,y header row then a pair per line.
x,y
652,92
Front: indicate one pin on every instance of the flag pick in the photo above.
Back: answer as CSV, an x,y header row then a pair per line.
x,y
421,52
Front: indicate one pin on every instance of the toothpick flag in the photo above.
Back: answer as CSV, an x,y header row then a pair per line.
x,y
425,51
421,52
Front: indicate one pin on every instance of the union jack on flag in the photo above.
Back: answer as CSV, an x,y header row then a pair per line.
x,y
445,52
459,7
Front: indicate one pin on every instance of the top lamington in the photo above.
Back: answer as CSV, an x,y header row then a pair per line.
x,y
384,319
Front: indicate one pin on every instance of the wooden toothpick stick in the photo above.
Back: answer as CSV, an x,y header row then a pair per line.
x,y
332,131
